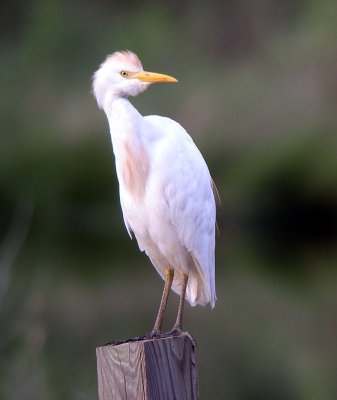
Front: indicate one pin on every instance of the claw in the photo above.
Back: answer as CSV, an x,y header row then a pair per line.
x,y
153,335
117,342
148,336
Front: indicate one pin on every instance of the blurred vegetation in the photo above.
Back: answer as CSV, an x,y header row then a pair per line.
x,y
257,92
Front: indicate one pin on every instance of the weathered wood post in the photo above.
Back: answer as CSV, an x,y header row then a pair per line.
x,y
158,369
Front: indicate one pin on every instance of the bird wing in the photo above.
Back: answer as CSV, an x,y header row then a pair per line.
x,y
189,195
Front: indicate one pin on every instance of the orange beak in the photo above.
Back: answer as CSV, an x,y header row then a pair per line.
x,y
152,77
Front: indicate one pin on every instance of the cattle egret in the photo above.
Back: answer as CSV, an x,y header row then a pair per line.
x,y
166,191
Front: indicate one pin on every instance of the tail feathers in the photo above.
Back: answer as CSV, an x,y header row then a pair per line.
x,y
200,288
195,291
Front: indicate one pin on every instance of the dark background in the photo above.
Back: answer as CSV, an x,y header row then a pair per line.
x,y
258,94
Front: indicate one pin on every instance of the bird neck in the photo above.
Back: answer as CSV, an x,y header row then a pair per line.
x,y
125,124
132,161
124,119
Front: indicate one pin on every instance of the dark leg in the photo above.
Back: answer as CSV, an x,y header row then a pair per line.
x,y
169,274
178,326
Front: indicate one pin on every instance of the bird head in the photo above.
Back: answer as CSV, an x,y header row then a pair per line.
x,y
122,75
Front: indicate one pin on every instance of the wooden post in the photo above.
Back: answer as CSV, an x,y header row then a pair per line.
x,y
158,369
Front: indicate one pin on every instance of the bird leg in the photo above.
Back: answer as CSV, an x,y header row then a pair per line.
x,y
169,274
178,326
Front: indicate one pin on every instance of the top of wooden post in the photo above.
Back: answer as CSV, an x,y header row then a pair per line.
x,y
158,369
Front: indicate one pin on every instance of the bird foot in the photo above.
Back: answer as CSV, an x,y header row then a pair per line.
x,y
148,336
178,332
116,342
172,332
153,335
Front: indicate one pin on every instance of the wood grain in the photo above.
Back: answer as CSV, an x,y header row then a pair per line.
x,y
159,369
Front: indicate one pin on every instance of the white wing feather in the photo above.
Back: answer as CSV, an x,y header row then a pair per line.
x,y
191,204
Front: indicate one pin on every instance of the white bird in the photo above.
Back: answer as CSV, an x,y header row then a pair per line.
x,y
166,191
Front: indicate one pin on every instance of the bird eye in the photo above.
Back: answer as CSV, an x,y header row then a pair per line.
x,y
124,74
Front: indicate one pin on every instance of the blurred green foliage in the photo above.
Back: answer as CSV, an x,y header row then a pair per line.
x,y
257,93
